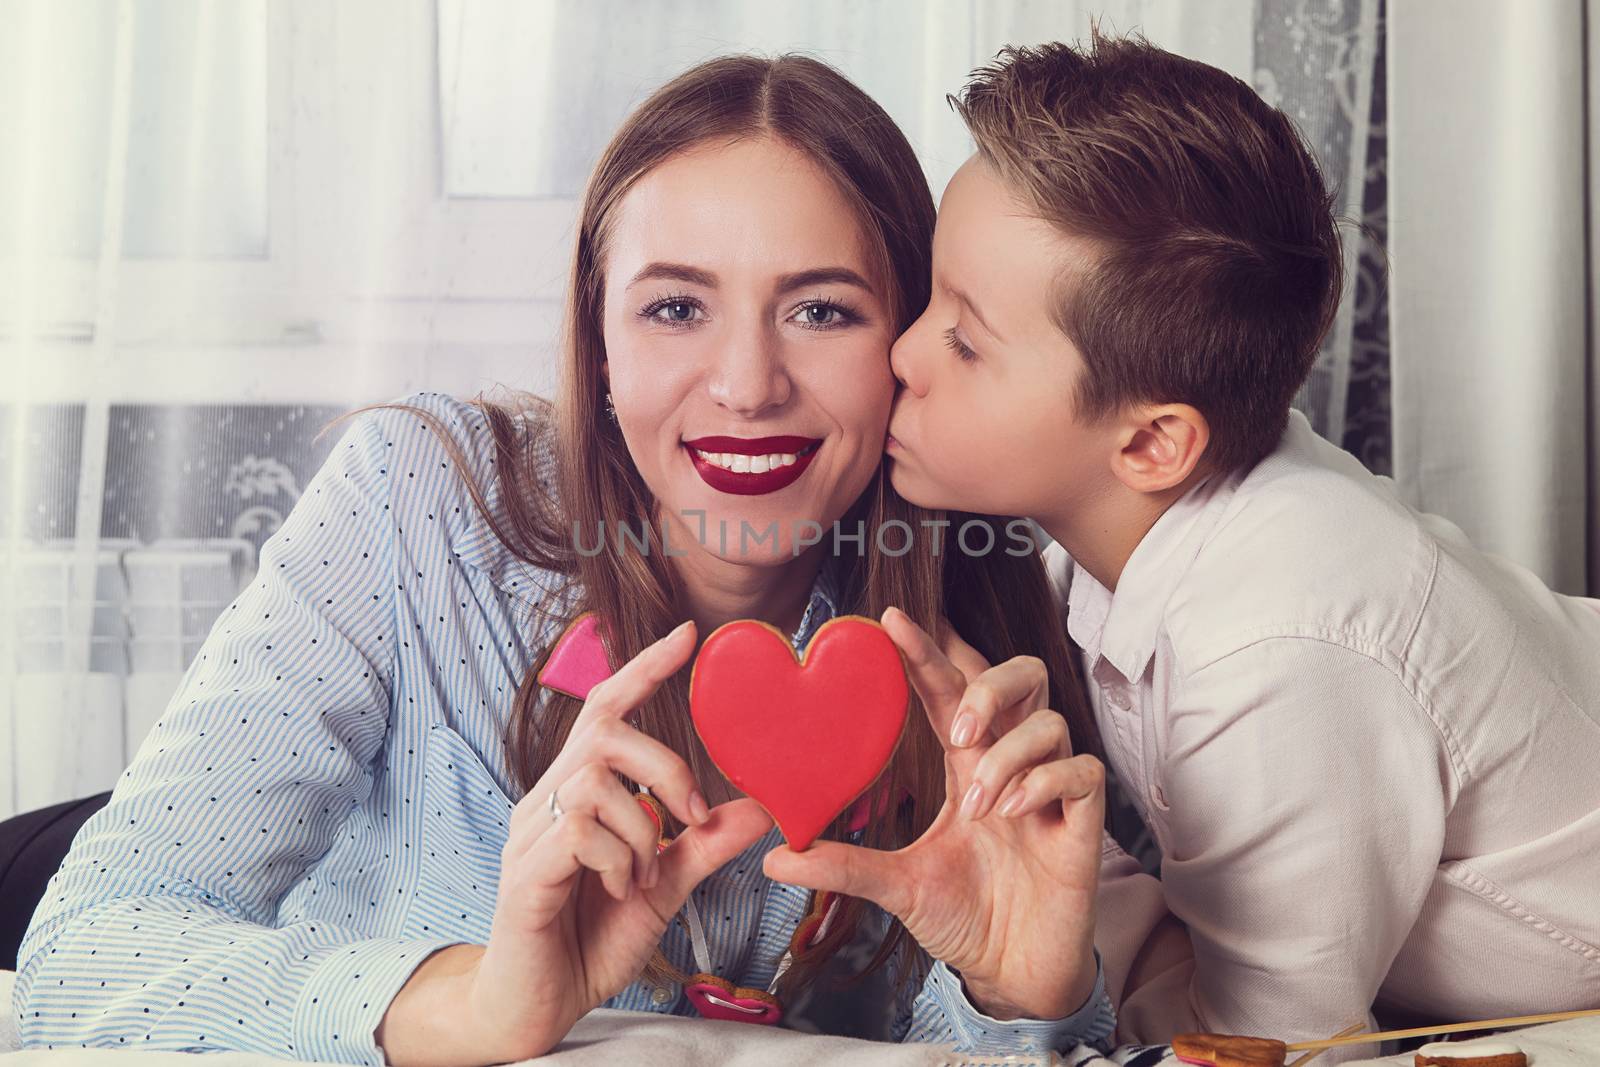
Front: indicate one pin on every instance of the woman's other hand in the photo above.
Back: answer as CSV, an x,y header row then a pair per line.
x,y
1005,895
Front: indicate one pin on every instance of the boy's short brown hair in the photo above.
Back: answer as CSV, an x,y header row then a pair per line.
x,y
1217,267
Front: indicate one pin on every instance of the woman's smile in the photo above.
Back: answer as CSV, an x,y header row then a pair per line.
x,y
751,466
746,411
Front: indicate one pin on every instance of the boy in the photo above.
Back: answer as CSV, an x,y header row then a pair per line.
x,y
1367,751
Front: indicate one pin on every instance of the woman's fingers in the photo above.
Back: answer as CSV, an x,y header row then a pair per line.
x,y
964,702
578,841
869,873
620,694
1065,780
968,660
1000,698
601,732
1042,736
597,791
700,850
937,681
617,747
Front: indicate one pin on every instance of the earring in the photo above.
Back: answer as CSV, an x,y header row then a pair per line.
x,y
611,409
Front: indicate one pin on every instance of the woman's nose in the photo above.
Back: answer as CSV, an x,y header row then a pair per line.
x,y
750,376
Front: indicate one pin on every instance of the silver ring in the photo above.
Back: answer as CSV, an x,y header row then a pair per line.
x,y
556,810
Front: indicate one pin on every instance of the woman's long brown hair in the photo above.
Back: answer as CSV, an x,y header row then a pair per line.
x,y
1000,603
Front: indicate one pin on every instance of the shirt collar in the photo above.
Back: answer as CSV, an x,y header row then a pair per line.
x,y
822,606
1123,626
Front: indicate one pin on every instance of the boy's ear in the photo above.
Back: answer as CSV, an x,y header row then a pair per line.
x,y
1160,446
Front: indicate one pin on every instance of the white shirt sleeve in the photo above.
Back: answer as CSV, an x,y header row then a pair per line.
x,y
1301,850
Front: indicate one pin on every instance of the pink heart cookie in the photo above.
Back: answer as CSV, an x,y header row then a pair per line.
x,y
578,662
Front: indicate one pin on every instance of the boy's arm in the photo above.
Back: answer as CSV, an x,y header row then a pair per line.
x,y
1146,957
1305,792
1145,952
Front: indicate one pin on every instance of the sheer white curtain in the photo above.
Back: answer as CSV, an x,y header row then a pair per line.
x,y
224,221
1492,210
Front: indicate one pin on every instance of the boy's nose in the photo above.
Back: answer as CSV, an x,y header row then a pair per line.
x,y
904,364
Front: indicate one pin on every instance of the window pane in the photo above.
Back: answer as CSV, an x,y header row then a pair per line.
x,y
196,181
530,92
197,148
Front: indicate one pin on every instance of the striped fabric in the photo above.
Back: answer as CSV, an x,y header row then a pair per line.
x,y
324,800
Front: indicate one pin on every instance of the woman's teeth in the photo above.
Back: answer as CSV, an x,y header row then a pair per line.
x,y
742,464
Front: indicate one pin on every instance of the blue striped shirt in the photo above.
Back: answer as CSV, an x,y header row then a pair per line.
x,y
324,800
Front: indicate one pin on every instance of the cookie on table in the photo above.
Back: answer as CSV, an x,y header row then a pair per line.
x,y
1484,1052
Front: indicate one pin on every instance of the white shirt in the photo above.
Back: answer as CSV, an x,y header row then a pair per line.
x,y
1370,755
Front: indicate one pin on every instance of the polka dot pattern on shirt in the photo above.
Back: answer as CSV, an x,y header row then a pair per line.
x,y
323,802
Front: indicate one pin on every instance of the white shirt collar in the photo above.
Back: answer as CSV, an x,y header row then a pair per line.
x,y
1123,626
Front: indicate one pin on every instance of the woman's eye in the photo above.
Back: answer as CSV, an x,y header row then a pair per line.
x,y
672,312
822,315
818,314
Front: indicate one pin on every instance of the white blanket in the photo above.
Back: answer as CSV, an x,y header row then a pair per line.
x,y
606,1037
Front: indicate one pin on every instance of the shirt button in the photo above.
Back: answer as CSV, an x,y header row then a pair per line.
x,y
1119,698
661,996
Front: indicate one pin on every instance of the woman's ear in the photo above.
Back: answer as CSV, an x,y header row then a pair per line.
x,y
1160,447
605,370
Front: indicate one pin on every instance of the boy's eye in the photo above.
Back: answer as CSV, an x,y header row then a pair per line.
x,y
963,353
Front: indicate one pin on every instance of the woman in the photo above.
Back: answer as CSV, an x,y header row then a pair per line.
x,y
749,246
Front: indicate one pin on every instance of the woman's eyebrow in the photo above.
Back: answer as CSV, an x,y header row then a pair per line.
x,y
822,276
798,280
675,272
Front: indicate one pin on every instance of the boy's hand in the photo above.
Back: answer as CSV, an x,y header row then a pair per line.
x,y
1007,900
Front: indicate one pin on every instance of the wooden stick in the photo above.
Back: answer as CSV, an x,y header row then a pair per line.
x,y
1308,1057
1428,1031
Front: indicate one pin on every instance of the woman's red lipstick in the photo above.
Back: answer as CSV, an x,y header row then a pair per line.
x,y
745,484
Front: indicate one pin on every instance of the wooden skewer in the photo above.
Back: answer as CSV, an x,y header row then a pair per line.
x,y
1428,1031
1308,1057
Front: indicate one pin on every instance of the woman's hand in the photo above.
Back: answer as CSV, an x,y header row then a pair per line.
x,y
1004,895
584,899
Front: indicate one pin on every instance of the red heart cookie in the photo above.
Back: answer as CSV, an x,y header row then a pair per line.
x,y
804,738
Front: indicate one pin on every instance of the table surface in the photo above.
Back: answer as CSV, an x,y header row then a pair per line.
x,y
605,1037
